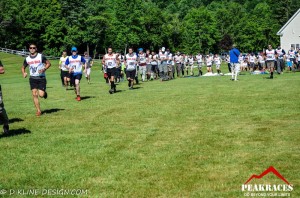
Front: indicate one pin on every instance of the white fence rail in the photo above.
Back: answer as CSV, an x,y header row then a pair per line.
x,y
21,53
25,53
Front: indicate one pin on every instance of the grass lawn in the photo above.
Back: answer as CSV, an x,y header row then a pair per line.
x,y
189,137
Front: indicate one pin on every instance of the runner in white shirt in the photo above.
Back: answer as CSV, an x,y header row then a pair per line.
x,y
38,64
75,64
149,65
178,60
142,63
110,60
209,63
252,60
163,57
131,62
89,63
186,63
154,66
64,71
170,63
241,61
218,61
292,56
280,60
199,62
261,61
191,64
270,59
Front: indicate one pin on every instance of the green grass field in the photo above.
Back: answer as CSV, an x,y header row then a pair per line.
x,y
190,137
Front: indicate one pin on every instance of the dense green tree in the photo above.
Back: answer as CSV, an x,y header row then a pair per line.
x,y
185,25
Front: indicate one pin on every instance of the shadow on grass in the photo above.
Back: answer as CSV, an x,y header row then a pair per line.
x,y
48,111
87,97
119,91
15,132
138,87
13,120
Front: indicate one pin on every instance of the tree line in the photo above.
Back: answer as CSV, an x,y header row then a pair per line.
x,y
189,26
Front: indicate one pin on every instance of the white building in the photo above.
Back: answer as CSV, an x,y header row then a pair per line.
x,y
290,33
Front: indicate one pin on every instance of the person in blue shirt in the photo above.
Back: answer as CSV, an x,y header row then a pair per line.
x,y
74,63
234,62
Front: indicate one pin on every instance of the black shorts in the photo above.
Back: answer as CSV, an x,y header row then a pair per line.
x,y
153,68
38,83
65,74
130,74
111,72
75,77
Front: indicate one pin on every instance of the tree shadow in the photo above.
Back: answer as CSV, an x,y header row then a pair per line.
x,y
87,97
15,132
48,111
13,120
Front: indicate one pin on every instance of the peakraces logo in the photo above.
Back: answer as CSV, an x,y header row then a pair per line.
x,y
267,190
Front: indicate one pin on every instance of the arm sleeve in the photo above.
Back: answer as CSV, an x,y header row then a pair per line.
x,y
44,59
82,60
25,64
67,61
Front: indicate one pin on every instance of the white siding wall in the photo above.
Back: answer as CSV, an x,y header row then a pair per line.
x,y
291,34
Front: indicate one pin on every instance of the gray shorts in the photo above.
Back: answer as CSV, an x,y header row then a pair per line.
x,y
148,68
270,64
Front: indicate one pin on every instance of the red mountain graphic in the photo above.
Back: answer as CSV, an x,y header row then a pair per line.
x,y
271,169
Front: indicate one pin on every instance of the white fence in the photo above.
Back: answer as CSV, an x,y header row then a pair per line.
x,y
25,53
21,53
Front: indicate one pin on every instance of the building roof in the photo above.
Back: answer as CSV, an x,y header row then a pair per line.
x,y
287,23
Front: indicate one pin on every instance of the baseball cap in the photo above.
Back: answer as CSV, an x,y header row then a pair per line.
x,y
74,49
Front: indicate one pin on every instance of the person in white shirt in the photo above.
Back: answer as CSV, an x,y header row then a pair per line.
x,y
252,60
154,66
65,75
261,61
75,64
130,63
179,61
292,56
209,63
149,65
37,64
218,61
163,57
110,60
280,60
270,59
199,62
191,64
170,63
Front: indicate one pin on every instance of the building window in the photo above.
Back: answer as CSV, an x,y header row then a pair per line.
x,y
297,45
293,45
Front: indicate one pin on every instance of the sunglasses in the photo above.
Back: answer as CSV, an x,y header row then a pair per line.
x,y
32,47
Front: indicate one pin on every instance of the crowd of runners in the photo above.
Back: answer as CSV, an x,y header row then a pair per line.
x,y
145,65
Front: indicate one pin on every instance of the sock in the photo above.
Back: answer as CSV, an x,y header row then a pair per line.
x,y
129,83
112,84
